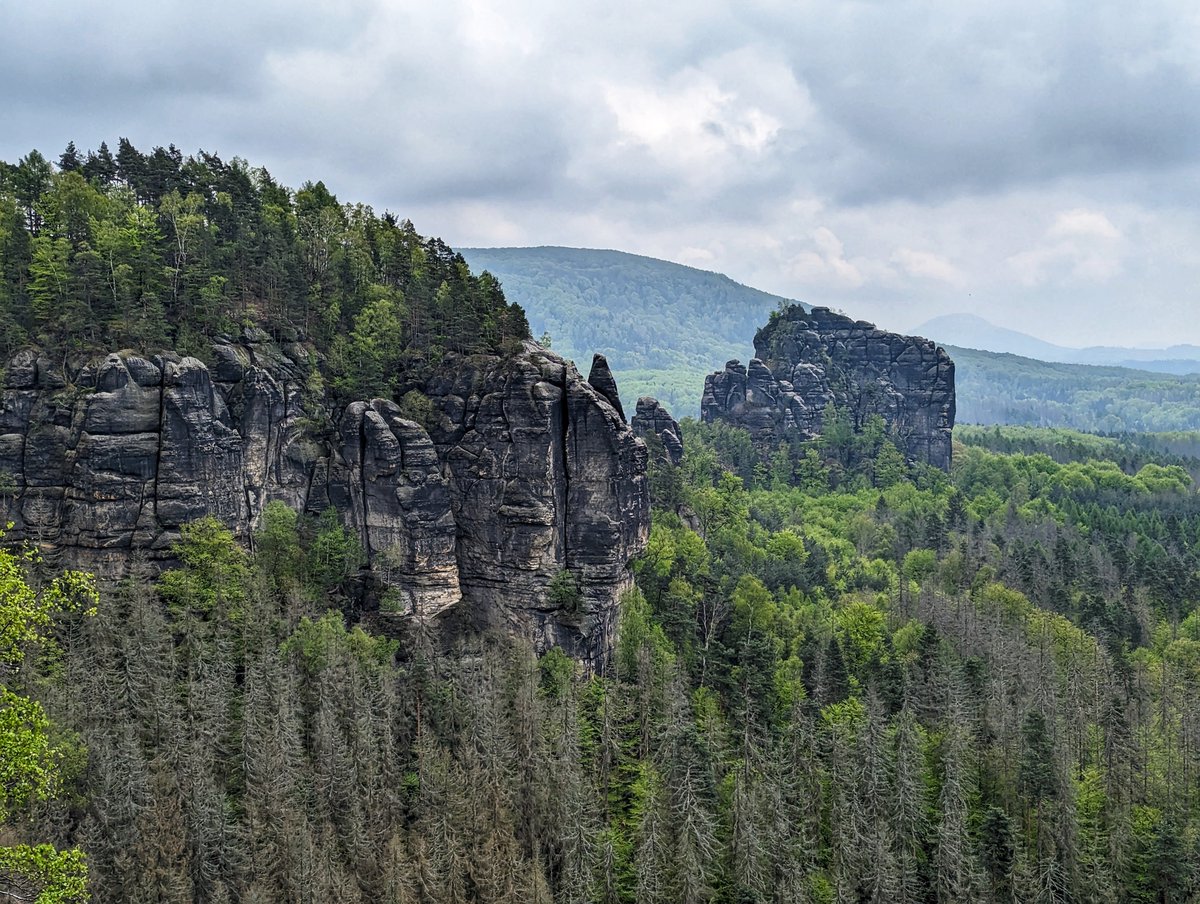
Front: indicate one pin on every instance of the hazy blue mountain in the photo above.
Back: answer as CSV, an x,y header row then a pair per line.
x,y
663,326
972,331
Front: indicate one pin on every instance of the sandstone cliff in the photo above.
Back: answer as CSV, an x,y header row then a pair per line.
x,y
651,419
524,470
808,360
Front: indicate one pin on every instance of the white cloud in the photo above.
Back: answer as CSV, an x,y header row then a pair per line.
x,y
825,262
1083,222
927,265
886,158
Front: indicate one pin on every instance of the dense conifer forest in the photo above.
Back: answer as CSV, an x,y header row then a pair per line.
x,y
839,678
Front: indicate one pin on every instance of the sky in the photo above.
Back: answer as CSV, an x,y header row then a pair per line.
x,y
1034,162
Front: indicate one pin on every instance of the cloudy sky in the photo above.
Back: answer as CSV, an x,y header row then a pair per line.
x,y
1035,161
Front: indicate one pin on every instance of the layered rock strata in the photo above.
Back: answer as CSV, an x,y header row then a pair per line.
x,y
807,360
525,470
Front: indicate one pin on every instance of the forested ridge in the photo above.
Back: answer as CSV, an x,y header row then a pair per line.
x,y
995,388
664,327
838,679
152,251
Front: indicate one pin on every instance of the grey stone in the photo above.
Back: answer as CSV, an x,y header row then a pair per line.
x,y
808,360
602,380
651,418
526,470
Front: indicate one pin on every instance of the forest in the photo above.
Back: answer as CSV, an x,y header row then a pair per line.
x,y
839,677
1007,389
156,250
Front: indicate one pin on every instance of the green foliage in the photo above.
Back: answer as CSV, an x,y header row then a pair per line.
x,y
889,466
27,613
43,874
30,760
277,543
563,592
213,577
28,765
557,670
333,555
997,388
639,636
319,642
372,355
416,406
147,251
310,557
662,326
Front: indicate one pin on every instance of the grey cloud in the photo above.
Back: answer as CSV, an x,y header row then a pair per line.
x,y
933,102
734,135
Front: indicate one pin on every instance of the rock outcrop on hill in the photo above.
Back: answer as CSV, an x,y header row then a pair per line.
x,y
651,419
523,470
806,360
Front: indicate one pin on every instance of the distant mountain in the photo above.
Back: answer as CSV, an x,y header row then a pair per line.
x,y
998,388
663,326
972,331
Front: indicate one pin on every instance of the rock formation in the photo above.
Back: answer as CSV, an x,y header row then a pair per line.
x,y
652,419
602,380
808,360
545,475
524,470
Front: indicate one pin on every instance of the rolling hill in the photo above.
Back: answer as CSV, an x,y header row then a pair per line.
x,y
665,326
971,331
996,388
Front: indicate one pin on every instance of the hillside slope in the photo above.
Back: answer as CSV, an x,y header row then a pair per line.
x,y
972,331
998,388
663,326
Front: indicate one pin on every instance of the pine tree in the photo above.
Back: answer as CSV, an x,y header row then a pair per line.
x,y
69,161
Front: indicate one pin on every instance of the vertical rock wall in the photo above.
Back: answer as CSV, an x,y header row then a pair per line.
x,y
545,477
526,470
807,360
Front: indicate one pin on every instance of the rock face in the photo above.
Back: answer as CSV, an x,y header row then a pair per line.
x,y
525,470
601,379
387,481
652,419
807,360
545,476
